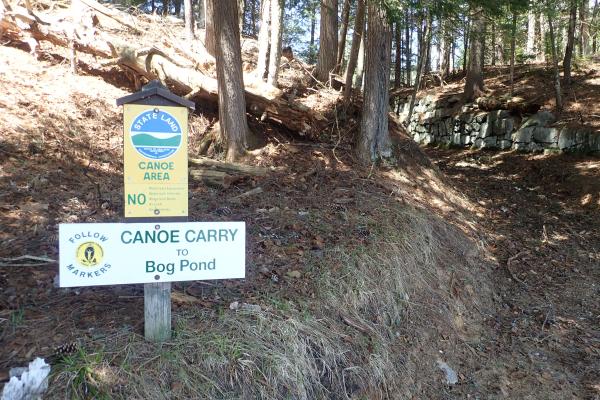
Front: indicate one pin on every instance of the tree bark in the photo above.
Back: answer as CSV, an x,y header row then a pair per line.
x,y
202,14
557,89
530,48
483,48
493,43
474,80
209,31
398,57
342,38
513,35
328,40
593,25
313,23
453,57
232,105
277,7
427,51
374,140
540,38
359,26
241,13
466,43
263,39
442,49
360,64
584,29
570,42
189,21
253,13
420,65
407,50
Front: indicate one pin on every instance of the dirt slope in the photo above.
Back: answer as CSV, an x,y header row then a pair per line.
x,y
365,278
541,218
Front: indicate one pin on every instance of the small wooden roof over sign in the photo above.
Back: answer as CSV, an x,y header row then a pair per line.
x,y
156,94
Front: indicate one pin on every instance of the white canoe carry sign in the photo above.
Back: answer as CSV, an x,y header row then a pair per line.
x,y
113,254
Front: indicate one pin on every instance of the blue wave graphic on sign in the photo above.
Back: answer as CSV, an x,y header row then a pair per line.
x,y
156,135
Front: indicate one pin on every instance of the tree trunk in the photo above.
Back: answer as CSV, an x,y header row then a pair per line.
x,y
328,40
540,37
407,51
241,13
263,39
483,48
420,66
342,38
442,49
189,21
570,41
360,64
557,89
373,142
466,43
313,23
453,57
177,4
493,43
593,25
166,5
530,48
398,57
209,31
232,105
202,14
253,12
359,26
474,80
513,35
277,7
428,52
584,29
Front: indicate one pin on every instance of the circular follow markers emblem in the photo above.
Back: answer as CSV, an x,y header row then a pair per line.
x,y
156,134
89,254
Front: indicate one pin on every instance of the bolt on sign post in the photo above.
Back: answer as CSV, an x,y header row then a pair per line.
x,y
156,245
155,171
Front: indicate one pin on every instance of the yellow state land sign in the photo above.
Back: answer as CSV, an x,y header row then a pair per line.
x,y
155,161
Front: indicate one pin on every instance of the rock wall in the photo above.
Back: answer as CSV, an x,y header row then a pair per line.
x,y
448,122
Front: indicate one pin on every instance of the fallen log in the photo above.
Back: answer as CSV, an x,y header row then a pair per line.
x,y
262,100
251,192
27,27
212,178
234,168
111,14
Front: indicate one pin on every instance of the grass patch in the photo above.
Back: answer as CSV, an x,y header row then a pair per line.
x,y
379,308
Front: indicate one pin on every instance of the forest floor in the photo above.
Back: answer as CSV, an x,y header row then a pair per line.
x,y
346,264
541,223
503,246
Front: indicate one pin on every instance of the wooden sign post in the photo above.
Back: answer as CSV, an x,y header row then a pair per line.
x,y
156,245
155,170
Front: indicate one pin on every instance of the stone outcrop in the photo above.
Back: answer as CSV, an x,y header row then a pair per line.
x,y
447,121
